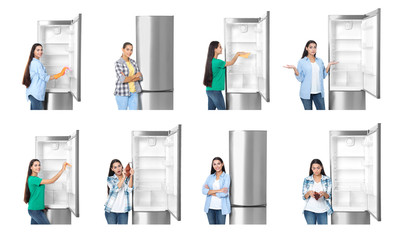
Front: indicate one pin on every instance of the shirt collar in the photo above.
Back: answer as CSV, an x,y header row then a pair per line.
x,y
223,174
307,59
311,178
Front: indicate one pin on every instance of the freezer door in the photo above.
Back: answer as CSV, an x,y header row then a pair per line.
x,y
73,174
371,52
373,171
263,56
75,58
173,168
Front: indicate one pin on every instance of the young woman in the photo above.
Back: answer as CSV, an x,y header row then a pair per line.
x,y
317,191
35,191
216,187
35,78
214,77
119,189
311,71
127,86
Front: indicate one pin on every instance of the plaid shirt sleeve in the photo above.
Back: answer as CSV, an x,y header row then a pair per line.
x,y
121,88
305,188
113,185
136,68
328,187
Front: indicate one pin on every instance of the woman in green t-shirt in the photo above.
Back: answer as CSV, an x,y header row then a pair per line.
x,y
35,191
214,77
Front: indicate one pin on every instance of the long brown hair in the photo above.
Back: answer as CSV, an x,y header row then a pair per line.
x,y
305,53
316,161
27,193
27,78
212,165
208,65
111,172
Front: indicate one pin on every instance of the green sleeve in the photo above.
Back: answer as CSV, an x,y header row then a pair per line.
x,y
219,63
35,181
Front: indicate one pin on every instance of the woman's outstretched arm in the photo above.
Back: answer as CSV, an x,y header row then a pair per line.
x,y
56,177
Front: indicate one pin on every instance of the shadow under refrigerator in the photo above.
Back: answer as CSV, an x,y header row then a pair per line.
x,y
61,197
354,41
154,56
356,175
61,41
248,171
249,78
156,159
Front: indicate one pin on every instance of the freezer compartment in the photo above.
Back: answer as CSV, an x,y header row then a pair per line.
x,y
155,100
347,100
59,216
161,217
243,101
58,101
248,215
350,218
346,77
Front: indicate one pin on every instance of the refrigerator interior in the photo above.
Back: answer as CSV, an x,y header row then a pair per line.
x,y
353,44
353,171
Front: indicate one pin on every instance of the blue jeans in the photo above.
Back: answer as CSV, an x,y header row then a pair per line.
x,y
317,99
38,217
313,218
215,100
116,218
216,217
125,102
35,104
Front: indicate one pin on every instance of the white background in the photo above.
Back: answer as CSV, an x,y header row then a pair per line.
x,y
295,137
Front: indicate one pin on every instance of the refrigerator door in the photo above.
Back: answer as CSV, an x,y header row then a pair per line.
x,y
73,174
75,57
248,215
173,168
373,171
371,35
154,51
155,100
263,56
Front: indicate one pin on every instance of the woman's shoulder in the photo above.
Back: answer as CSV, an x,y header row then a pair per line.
x,y
119,61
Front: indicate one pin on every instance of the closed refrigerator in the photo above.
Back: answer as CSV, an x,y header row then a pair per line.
x,y
61,41
354,41
356,175
156,159
248,171
248,80
154,56
61,197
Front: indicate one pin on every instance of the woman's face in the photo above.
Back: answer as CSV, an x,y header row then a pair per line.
x,y
311,49
217,165
316,168
36,167
38,52
117,168
218,50
127,51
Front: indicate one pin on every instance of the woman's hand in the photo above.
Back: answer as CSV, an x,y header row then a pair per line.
x,y
132,171
64,165
223,190
292,67
310,193
206,186
324,194
330,64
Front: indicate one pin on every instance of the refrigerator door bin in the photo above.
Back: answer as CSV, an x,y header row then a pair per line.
x,y
59,216
350,218
248,215
155,100
243,101
347,100
159,217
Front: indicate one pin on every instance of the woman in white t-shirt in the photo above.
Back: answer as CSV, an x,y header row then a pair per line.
x,y
317,192
119,189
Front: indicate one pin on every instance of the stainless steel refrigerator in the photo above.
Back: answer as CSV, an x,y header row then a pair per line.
x,y
354,41
61,41
356,175
248,80
156,159
154,55
248,171
61,197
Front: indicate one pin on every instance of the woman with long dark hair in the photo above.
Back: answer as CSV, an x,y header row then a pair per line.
x,y
311,72
35,78
119,189
317,192
214,77
34,193
127,86
216,187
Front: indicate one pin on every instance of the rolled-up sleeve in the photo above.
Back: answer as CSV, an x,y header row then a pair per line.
x,y
304,189
300,70
227,183
323,70
38,72
137,70
118,71
329,188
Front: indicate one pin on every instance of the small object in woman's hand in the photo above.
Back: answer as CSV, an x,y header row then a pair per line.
x,y
317,195
245,55
127,170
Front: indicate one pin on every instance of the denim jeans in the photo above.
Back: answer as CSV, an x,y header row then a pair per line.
x,y
38,217
116,218
216,217
36,104
313,218
317,99
215,100
127,102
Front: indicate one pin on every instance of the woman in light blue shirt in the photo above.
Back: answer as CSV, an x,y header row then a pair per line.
x,y
216,187
311,71
35,78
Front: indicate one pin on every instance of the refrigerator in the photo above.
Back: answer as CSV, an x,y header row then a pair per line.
x,y
156,160
356,175
154,56
354,41
61,197
248,80
248,171
61,41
